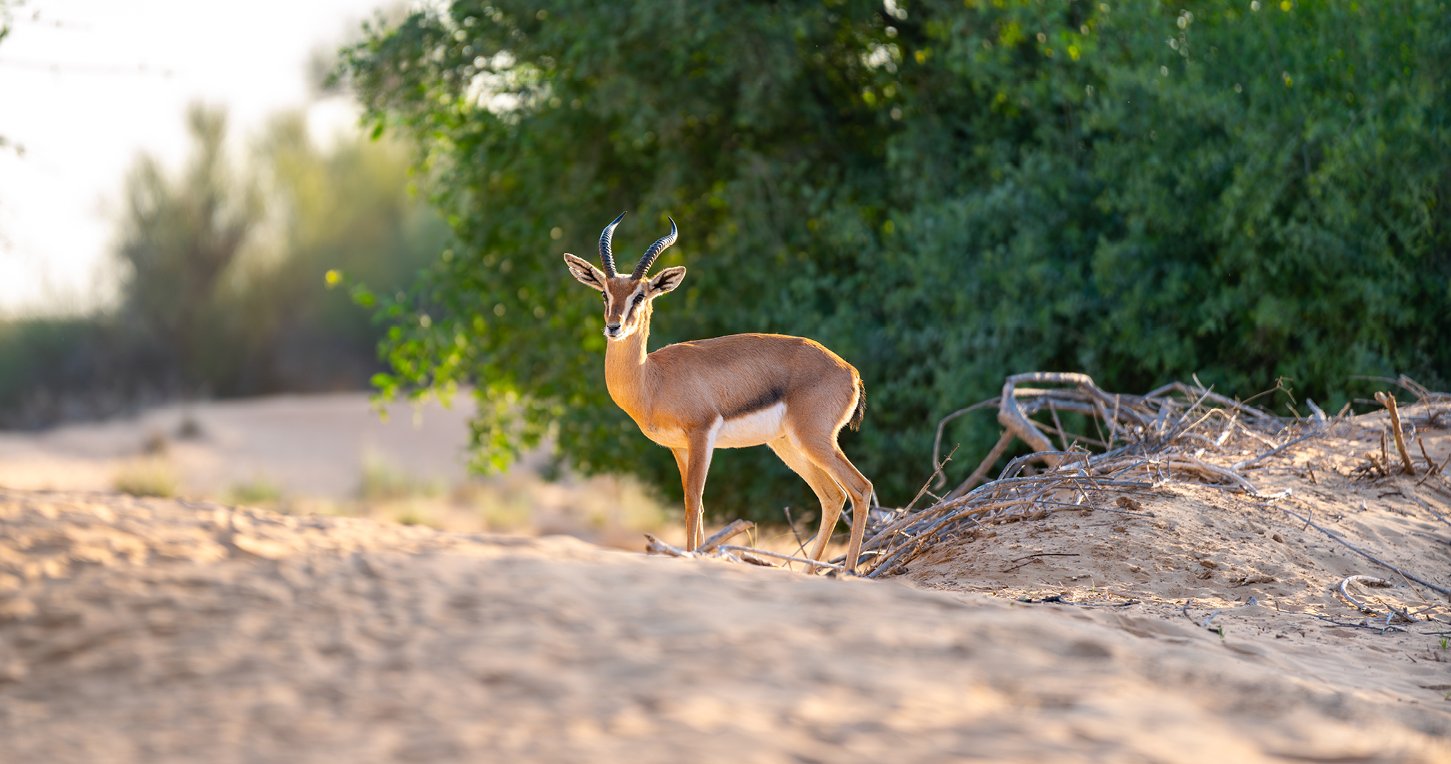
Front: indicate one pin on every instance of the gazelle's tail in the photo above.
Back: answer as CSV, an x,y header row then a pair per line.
x,y
861,407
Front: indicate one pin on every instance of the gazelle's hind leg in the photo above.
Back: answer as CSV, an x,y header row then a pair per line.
x,y
860,489
821,448
823,485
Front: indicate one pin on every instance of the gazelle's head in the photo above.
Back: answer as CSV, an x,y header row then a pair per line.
x,y
627,298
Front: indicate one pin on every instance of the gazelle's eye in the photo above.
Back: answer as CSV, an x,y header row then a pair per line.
x,y
604,298
639,298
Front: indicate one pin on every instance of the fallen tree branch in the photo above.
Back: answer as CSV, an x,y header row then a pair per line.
x,y
982,468
1315,433
735,528
656,546
1364,581
1367,555
1389,401
780,556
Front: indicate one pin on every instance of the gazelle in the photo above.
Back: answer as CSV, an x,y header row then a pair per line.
x,y
788,393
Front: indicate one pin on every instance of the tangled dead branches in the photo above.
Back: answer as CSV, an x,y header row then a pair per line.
x,y
1138,442
1146,440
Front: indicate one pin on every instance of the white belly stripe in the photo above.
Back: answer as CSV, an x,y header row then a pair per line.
x,y
753,429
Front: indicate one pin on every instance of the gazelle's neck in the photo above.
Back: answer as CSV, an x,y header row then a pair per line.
x,y
625,370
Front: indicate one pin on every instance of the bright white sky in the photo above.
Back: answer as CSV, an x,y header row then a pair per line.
x,y
85,85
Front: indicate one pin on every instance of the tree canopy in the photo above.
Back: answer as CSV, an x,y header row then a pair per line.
x,y
942,192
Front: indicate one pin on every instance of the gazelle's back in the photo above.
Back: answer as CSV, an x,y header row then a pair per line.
x,y
794,370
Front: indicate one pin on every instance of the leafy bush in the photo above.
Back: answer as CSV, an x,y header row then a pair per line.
x,y
942,192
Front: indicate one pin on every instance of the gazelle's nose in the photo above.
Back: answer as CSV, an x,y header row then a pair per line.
x,y
612,329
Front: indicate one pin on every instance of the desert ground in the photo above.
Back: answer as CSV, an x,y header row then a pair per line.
x,y
330,454
1181,622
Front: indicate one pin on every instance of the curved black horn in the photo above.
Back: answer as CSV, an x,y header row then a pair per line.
x,y
655,249
606,256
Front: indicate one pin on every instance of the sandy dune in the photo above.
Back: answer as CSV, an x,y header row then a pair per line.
x,y
1190,624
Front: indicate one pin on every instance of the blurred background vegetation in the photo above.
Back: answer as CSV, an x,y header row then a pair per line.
x,y
943,192
222,269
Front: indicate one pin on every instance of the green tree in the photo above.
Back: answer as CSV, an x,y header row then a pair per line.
x,y
344,212
227,269
942,192
178,238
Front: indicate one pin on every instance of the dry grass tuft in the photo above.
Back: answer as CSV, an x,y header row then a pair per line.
x,y
152,476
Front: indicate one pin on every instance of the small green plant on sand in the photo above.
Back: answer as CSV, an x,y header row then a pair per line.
x,y
258,490
382,482
413,515
146,477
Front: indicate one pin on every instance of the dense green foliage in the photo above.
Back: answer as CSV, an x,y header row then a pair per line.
x,y
223,270
942,192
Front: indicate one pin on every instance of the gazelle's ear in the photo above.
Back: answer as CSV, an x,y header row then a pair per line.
x,y
667,280
585,273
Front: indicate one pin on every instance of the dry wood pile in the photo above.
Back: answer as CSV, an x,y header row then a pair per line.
x,y
1092,450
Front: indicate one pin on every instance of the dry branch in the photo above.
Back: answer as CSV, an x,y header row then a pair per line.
x,y
1389,401
779,556
715,546
1365,581
1163,437
1151,439
656,546
987,463
1367,555
735,528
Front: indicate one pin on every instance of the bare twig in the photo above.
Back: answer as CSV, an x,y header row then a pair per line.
x,y
656,546
942,424
1389,401
1365,581
1237,466
800,542
1058,426
1421,444
735,528
1012,418
936,476
1410,493
1030,558
779,556
982,468
1357,624
1367,555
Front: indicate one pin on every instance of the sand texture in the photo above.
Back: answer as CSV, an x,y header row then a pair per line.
x,y
1187,624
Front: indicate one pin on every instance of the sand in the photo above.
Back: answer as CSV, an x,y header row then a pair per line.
x,y
1194,624
316,446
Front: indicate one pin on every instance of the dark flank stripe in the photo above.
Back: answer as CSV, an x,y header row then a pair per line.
x,y
766,400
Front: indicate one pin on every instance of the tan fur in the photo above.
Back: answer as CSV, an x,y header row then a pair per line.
x,y
684,396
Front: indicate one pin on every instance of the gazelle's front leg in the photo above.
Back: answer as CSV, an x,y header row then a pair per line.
x,y
700,447
682,463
